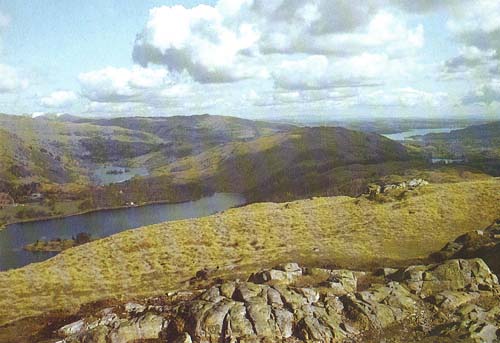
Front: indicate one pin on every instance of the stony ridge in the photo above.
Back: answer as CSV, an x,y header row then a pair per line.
x,y
457,301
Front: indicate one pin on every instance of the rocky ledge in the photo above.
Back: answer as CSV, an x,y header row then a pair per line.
x,y
456,300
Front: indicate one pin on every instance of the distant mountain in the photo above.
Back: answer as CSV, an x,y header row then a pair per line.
x,y
475,135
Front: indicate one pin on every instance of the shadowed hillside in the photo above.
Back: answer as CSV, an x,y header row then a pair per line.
x,y
299,163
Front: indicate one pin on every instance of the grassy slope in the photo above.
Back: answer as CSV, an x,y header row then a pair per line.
x,y
346,231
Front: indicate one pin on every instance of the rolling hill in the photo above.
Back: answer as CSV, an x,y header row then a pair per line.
x,y
340,231
190,135
477,145
299,163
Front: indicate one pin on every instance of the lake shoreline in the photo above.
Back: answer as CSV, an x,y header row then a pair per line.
x,y
111,208
19,241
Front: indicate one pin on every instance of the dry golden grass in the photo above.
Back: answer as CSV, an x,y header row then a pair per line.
x,y
341,230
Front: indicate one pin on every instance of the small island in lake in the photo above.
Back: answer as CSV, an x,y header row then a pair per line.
x,y
58,244
117,171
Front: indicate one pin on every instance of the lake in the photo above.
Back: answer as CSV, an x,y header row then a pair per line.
x,y
101,224
108,174
406,135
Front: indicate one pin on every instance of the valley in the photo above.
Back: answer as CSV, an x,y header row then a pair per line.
x,y
328,196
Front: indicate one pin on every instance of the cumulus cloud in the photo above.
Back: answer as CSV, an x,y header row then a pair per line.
x,y
122,84
198,41
237,39
299,97
485,94
11,80
471,62
260,53
476,23
59,99
320,72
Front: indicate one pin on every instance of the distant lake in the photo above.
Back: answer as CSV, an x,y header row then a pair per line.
x,y
101,224
406,135
105,175
446,161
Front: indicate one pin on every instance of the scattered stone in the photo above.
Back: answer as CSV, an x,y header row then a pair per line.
x,y
438,299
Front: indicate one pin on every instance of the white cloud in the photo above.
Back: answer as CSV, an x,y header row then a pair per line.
x,y
319,72
10,80
476,23
59,99
403,97
196,40
486,94
243,39
122,84
471,62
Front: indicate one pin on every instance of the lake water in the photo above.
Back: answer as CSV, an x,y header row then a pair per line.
x,y
105,175
406,135
446,161
101,224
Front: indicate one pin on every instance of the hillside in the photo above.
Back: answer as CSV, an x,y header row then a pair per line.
x,y
65,158
478,145
190,135
337,231
51,151
299,163
67,141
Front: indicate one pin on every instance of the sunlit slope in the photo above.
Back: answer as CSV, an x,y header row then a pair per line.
x,y
342,230
190,135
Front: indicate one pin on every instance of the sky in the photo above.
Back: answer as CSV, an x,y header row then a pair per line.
x,y
316,59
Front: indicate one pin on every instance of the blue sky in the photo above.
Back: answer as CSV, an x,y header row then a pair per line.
x,y
252,58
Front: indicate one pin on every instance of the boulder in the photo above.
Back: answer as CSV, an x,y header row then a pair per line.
x,y
474,324
342,282
381,305
148,326
283,273
72,328
438,298
450,300
452,275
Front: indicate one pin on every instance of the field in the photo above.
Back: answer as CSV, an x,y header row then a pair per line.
x,y
336,231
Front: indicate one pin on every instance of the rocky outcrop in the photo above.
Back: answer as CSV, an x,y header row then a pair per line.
x,y
484,244
452,275
375,189
454,300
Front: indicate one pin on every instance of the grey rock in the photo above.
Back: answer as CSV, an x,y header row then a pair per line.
x,y
72,328
148,326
